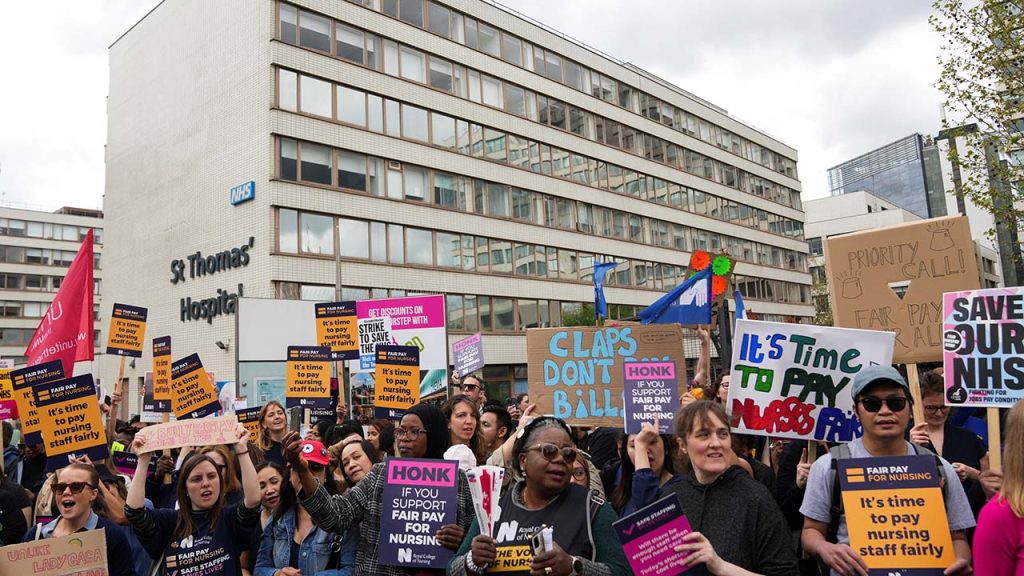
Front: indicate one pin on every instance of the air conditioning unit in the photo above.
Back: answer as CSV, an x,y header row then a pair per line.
x,y
394,165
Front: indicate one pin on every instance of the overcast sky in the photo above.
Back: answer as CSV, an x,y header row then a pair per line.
x,y
833,79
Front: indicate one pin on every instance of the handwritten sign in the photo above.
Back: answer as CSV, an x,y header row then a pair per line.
x,y
308,376
23,380
79,554
250,418
373,332
162,372
893,279
576,374
8,406
397,380
193,394
650,535
468,354
192,432
127,332
419,497
793,380
983,347
651,390
71,421
336,329
895,513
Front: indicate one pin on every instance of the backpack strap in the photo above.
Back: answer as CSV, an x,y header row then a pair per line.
x,y
837,453
595,505
943,481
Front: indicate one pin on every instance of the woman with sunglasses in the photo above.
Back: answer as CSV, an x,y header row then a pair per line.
x,y
292,544
421,433
583,540
76,491
214,534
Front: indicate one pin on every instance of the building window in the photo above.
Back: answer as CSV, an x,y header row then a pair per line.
x,y
439,19
351,106
349,43
288,93
314,32
316,163
354,237
352,171
314,96
420,244
316,233
288,163
814,244
287,234
414,123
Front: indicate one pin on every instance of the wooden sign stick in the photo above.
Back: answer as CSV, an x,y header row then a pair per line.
x,y
812,451
112,416
915,392
165,417
995,454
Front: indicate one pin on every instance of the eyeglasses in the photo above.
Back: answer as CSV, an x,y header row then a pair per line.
x,y
76,487
412,435
874,404
317,467
550,451
579,473
469,387
935,409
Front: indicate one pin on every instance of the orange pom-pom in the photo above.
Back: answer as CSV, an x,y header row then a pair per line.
x,y
697,393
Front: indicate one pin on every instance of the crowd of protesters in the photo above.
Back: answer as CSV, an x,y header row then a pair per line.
x,y
310,504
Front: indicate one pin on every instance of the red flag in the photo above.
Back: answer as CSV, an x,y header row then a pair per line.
x,y
65,332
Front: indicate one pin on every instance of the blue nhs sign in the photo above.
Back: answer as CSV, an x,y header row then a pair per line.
x,y
243,193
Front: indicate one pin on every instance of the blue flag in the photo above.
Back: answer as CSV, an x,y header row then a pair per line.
x,y
600,270
688,303
741,310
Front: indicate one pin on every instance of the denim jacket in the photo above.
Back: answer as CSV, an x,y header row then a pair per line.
x,y
314,553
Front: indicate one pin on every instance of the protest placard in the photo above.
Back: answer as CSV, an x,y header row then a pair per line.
x,y
70,420
397,380
793,380
191,432
126,336
468,355
576,373
419,497
162,373
8,406
125,462
78,554
373,332
895,513
983,357
250,418
650,535
308,376
192,392
336,329
893,279
22,381
651,391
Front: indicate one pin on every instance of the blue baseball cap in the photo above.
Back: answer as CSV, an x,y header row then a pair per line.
x,y
876,374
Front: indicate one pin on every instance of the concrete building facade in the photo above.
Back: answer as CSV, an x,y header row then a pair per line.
x,y
428,147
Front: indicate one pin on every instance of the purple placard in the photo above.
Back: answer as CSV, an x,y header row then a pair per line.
x,y
420,496
650,389
125,463
649,535
468,354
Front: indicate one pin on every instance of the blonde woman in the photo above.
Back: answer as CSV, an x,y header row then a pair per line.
x,y
999,538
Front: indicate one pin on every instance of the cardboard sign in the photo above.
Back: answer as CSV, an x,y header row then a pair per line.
x,y
983,347
22,381
192,392
250,418
191,432
8,406
79,554
397,380
793,380
373,332
336,329
70,420
126,336
895,513
651,389
468,354
162,370
893,279
419,497
308,376
576,373
650,535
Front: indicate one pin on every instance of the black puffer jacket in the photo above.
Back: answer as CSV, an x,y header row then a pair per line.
x,y
741,520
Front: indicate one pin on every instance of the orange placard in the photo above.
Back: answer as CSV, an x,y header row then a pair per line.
x,y
22,381
192,392
127,332
308,377
162,368
250,418
397,377
70,420
336,328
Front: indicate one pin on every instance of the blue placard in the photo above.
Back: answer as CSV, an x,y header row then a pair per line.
x,y
419,497
243,193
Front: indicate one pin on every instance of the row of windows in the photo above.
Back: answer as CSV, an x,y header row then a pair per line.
x,y
36,282
319,164
475,313
22,336
45,256
18,309
313,233
314,31
48,230
310,95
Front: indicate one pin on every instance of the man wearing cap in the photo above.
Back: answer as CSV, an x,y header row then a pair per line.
x,y
882,402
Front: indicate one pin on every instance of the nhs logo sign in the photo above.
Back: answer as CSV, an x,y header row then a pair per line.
x,y
243,193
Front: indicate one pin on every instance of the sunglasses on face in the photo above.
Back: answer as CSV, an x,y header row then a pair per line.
x,y
76,487
550,451
874,404
469,387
